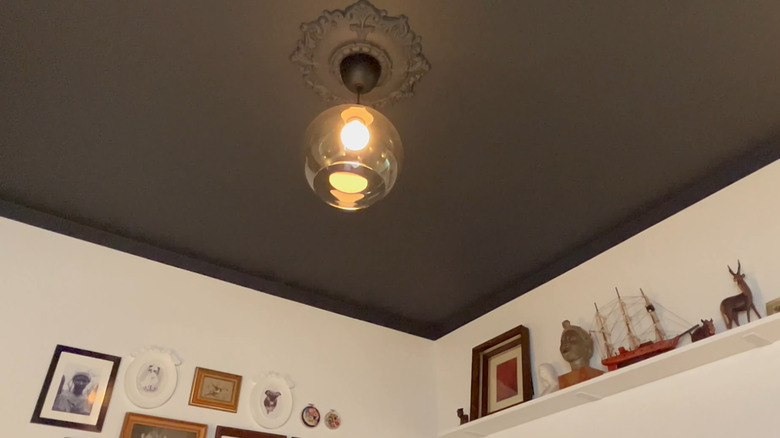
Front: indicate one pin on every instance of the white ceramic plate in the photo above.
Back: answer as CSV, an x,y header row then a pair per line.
x,y
151,378
271,401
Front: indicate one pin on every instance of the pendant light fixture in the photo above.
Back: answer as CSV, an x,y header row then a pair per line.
x,y
353,153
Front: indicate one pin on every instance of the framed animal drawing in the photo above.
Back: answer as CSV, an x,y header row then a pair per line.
x,y
215,390
271,401
152,376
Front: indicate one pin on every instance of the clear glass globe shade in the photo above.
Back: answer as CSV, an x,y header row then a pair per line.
x,y
341,173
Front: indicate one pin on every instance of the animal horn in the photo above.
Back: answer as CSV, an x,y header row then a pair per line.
x,y
732,272
739,266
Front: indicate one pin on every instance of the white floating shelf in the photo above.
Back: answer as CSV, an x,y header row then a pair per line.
x,y
740,339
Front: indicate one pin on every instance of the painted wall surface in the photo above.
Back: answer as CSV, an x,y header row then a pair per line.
x,y
681,263
59,290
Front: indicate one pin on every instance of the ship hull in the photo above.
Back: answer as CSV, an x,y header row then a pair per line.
x,y
644,351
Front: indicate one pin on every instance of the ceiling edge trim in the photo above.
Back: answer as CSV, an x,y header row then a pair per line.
x,y
71,228
667,206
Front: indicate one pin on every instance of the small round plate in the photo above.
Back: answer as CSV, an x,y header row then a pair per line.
x,y
310,416
332,419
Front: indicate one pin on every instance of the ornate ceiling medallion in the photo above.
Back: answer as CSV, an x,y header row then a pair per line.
x,y
360,28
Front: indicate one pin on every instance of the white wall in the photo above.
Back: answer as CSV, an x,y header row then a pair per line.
x,y
59,290
680,262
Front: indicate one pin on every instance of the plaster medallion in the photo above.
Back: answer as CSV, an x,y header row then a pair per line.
x,y
360,28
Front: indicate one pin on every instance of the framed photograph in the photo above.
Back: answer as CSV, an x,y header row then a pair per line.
x,y
215,390
773,307
77,389
232,432
146,426
501,373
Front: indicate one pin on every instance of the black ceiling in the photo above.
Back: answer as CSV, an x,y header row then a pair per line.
x,y
543,135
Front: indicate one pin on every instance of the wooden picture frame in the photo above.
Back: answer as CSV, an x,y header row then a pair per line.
x,y
234,432
140,425
773,307
215,390
501,373
77,389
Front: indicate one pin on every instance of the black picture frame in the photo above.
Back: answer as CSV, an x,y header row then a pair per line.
x,y
224,432
67,405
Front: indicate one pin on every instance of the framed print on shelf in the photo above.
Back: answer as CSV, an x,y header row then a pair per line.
x,y
501,373
143,426
232,432
215,390
77,389
773,307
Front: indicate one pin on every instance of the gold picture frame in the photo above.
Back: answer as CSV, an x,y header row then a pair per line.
x,y
136,425
215,390
773,307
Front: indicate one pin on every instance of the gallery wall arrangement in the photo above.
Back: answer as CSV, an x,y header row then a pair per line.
x,y
79,385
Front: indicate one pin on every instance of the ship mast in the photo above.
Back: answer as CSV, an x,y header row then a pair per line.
x,y
659,331
633,340
604,333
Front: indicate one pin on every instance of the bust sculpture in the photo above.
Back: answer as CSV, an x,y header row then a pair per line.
x,y
577,349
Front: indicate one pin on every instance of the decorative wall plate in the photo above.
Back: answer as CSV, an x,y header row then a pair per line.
x,y
310,416
332,419
151,378
271,401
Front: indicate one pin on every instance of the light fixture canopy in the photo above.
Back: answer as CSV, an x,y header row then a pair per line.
x,y
361,55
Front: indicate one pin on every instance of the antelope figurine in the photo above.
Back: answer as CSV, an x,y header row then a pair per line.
x,y
731,306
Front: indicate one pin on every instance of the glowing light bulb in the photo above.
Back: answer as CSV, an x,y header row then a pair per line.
x,y
347,182
354,135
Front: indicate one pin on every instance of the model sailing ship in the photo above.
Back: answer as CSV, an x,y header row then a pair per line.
x,y
623,320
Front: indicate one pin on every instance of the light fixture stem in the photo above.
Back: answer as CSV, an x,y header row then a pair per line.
x,y
358,98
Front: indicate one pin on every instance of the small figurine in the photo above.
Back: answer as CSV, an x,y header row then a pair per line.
x,y
731,306
577,349
548,379
705,330
464,418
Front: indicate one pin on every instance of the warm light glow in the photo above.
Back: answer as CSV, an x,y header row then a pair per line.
x,y
354,135
347,197
348,182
